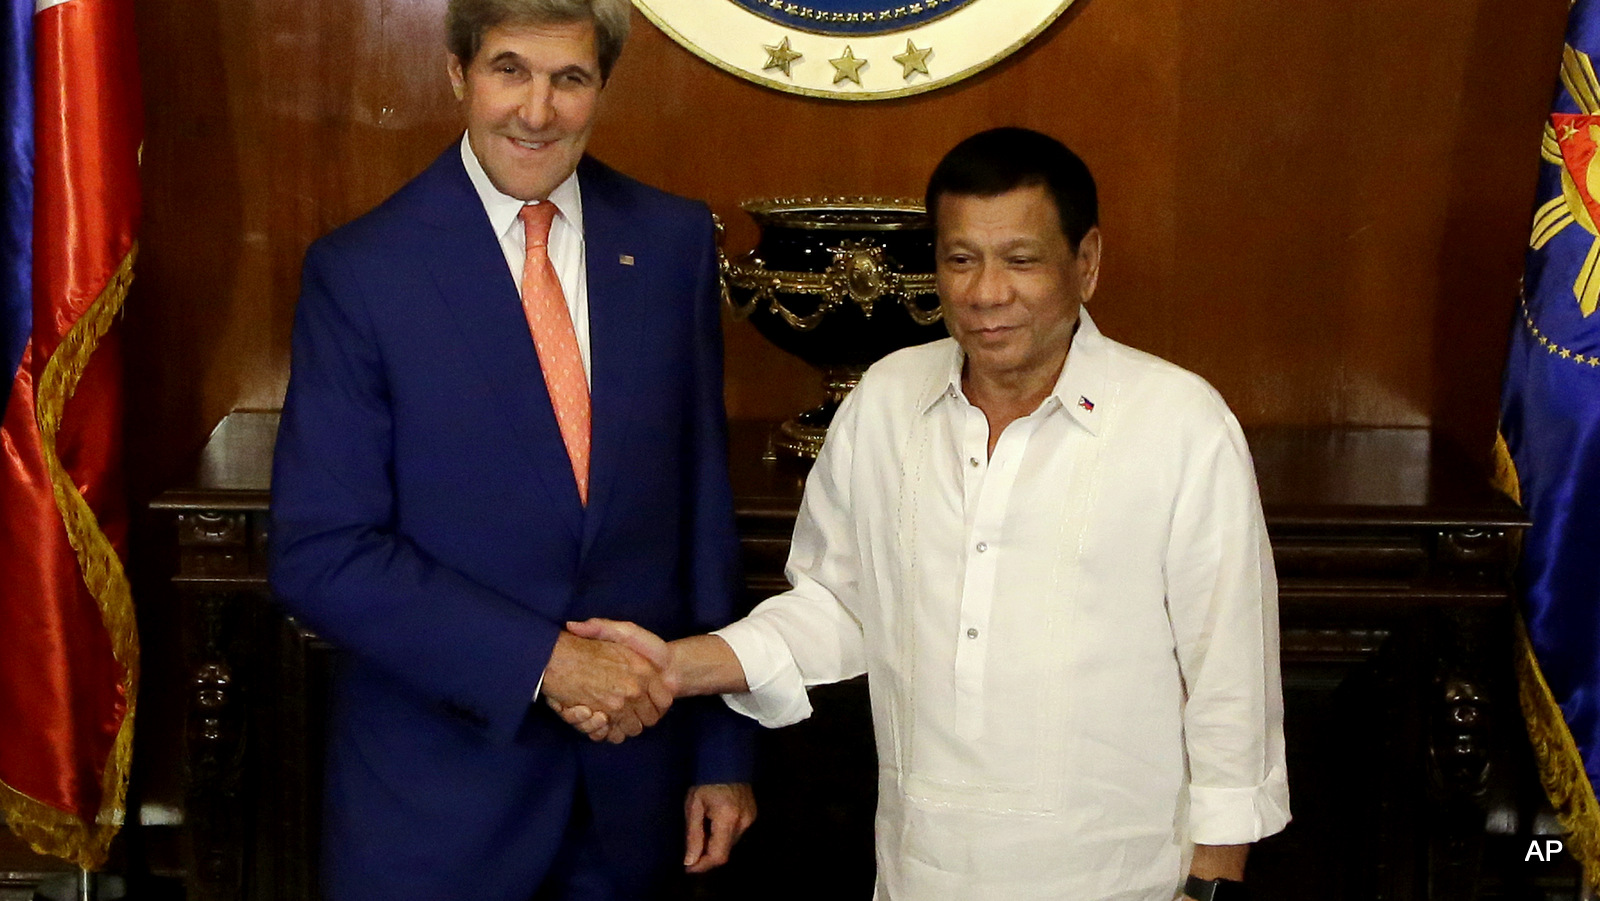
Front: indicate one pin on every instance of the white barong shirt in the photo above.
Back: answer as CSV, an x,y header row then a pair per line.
x,y
1071,646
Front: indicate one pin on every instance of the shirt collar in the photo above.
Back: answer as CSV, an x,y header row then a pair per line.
x,y
1079,389
947,387
503,209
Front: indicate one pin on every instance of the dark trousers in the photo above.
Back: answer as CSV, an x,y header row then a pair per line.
x,y
579,872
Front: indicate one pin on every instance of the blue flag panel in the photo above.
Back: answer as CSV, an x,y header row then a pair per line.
x,y
1550,406
16,189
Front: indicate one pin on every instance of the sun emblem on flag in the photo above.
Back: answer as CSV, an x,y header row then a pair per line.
x,y
1571,141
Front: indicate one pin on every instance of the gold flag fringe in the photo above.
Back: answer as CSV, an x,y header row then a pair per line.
x,y
46,829
1505,470
1561,770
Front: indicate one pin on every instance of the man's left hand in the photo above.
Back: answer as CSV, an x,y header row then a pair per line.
x,y
1218,862
717,815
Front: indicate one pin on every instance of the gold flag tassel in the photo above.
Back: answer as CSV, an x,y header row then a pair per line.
x,y
1561,770
46,829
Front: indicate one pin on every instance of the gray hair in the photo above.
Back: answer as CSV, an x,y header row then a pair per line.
x,y
467,21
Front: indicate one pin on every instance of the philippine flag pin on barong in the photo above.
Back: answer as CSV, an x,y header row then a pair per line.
x,y
1086,403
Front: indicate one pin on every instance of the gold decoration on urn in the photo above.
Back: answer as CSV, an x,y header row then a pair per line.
x,y
838,282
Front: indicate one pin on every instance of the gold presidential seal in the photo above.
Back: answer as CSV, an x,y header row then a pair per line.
x,y
852,49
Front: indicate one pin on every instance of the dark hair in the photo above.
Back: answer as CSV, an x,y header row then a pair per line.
x,y
1002,159
467,21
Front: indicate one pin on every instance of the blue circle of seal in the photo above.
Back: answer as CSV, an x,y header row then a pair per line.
x,y
852,17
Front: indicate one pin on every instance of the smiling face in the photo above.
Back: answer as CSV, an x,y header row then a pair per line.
x,y
530,97
1010,283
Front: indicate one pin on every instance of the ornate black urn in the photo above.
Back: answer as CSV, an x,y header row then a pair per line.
x,y
839,283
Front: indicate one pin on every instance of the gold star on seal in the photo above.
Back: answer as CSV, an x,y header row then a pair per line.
x,y
913,60
847,66
779,56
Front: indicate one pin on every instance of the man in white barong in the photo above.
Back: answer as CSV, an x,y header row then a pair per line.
x,y
1047,552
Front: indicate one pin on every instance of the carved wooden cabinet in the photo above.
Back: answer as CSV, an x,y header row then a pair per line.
x,y
257,683
1408,765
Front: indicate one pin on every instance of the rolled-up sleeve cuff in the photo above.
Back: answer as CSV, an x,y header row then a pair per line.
x,y
777,695
1239,816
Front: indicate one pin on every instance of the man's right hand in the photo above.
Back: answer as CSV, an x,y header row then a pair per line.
x,y
605,679
596,723
697,665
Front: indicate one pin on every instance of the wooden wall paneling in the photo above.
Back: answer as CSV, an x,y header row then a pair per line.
x,y
1487,208
1265,189
268,125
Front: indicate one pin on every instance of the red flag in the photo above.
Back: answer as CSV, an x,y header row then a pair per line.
x,y
69,653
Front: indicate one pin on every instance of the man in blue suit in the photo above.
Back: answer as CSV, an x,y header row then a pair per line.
x,y
490,431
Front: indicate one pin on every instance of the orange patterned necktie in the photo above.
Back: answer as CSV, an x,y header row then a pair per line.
x,y
555,340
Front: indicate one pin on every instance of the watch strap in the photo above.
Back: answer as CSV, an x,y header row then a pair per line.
x,y
1214,889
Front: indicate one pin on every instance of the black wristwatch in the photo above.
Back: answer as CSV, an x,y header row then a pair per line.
x,y
1215,889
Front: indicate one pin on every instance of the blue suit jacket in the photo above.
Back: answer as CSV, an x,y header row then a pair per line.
x,y
426,522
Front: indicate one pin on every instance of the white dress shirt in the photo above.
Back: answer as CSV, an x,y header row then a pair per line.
x,y
1071,646
565,244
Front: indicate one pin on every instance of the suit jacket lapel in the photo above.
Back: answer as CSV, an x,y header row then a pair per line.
x,y
615,326
477,288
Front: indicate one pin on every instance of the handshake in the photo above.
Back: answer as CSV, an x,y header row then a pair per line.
x,y
611,680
